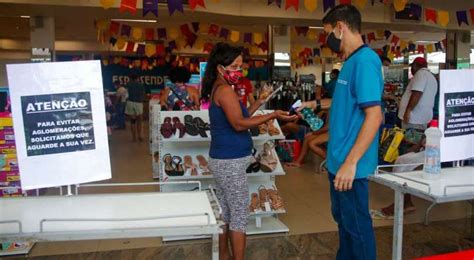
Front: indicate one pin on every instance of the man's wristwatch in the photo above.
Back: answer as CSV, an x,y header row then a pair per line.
x,y
318,105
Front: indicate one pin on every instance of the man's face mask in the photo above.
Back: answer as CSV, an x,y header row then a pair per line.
x,y
333,42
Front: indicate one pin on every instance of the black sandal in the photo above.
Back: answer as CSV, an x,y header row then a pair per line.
x,y
190,126
254,164
178,165
201,126
169,168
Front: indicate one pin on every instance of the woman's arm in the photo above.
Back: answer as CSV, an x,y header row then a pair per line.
x,y
255,106
194,94
226,98
164,97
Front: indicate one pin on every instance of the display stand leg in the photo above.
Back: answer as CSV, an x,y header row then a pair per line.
x,y
427,214
258,222
398,226
471,235
215,247
69,190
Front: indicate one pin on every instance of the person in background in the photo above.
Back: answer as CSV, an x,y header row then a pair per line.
x,y
386,63
178,96
245,89
355,119
134,107
416,106
120,103
231,143
331,85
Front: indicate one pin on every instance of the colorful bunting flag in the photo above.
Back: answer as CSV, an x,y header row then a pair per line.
x,y
380,34
443,18
130,46
126,29
213,30
257,38
141,49
371,37
194,3
150,6
472,14
172,45
322,38
416,10
113,41
128,6
301,30
224,34
121,43
162,33
137,33
395,40
430,15
114,28
430,48
311,5
360,3
248,38
312,34
263,46
403,45
106,4
173,33
195,26
175,5
328,4
316,52
234,36
278,2
387,34
150,49
160,49
292,3
411,47
149,34
438,46
462,17
208,47
399,5
345,2
186,31
421,48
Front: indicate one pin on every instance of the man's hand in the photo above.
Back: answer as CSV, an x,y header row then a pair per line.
x,y
406,117
345,177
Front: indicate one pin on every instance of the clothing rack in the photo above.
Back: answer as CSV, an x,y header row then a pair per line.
x,y
291,92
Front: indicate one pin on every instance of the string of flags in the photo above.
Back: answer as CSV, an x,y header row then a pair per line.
x,y
157,41
151,6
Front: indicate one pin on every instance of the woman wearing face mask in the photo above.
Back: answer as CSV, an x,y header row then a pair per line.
x,y
231,143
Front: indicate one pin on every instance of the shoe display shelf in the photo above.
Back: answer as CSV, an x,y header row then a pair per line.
x,y
261,222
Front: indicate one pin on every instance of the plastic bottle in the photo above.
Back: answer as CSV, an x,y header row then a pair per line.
x,y
432,163
314,122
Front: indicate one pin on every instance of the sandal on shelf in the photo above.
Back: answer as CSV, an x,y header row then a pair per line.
x,y
191,128
254,163
177,125
263,196
177,162
268,160
201,126
254,203
203,165
263,129
169,168
276,201
254,131
272,129
190,169
166,128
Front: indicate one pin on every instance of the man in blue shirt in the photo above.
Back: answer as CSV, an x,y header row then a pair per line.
x,y
355,118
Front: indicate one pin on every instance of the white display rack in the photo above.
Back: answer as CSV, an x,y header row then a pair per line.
x,y
262,222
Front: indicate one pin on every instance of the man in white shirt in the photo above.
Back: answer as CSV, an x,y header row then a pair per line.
x,y
121,99
416,107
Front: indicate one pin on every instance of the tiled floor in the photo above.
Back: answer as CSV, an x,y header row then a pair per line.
x,y
304,191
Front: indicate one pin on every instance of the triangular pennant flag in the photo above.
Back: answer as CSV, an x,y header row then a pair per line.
x,y
121,43
462,17
248,38
421,48
263,46
416,10
443,18
430,15
173,33
311,5
160,49
106,4
150,49
137,33
371,37
114,28
208,47
195,26
395,40
387,34
360,3
472,14
257,38
126,29
130,46
190,41
128,6
141,49
438,46
175,5
278,2
234,36
411,47
224,34
328,4
194,3
403,45
345,2
186,31
149,34
162,33
113,41
150,6
312,34
399,5
429,48
380,34
292,3
322,38
301,30
326,52
213,30
316,52
204,28
172,45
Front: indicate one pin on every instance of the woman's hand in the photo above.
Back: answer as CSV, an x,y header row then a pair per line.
x,y
283,116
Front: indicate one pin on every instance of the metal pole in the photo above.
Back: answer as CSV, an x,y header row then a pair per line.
x,y
398,226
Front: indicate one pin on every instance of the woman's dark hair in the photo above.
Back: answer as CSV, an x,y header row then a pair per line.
x,y
222,54
179,74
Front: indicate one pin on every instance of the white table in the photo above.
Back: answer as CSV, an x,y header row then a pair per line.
x,y
455,184
109,216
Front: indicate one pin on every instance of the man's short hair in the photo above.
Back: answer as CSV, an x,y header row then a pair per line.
x,y
347,14
385,58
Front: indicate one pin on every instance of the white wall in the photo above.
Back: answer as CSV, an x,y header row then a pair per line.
x,y
10,58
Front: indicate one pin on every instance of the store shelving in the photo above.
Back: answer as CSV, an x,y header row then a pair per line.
x,y
263,222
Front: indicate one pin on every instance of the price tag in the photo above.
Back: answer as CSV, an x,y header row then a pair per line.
x,y
267,206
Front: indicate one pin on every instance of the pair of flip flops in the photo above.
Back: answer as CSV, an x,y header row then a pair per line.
x,y
195,126
169,128
173,165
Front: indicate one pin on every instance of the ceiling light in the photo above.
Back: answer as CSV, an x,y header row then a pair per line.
x,y
316,27
25,16
426,41
400,32
134,20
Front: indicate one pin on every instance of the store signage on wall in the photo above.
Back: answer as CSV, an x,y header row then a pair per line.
x,y
153,79
457,114
59,122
